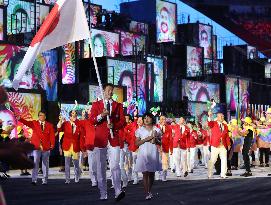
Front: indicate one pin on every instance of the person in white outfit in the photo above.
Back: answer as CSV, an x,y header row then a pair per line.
x,y
148,161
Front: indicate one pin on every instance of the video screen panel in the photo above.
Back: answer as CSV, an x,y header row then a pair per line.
x,y
51,2
68,63
194,61
95,94
42,14
1,24
26,105
91,13
121,73
200,91
158,78
216,66
205,39
43,73
104,43
165,21
141,88
251,52
208,66
138,27
19,17
267,70
214,42
233,97
131,42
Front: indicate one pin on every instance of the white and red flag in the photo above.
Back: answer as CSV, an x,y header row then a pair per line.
x,y
66,23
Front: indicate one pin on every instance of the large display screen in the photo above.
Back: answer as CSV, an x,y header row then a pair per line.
x,y
205,39
208,66
95,94
68,63
158,78
138,27
91,13
19,17
26,105
214,42
1,25
235,98
194,61
42,74
121,73
200,91
42,13
251,52
268,70
165,21
104,44
131,42
141,88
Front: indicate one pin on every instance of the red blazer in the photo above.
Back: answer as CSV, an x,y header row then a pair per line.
x,y
205,136
216,134
181,139
70,138
102,133
166,138
88,133
46,138
132,146
193,139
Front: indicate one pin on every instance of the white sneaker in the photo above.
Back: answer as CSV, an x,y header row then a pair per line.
x,y
125,184
67,182
44,182
94,184
135,182
76,180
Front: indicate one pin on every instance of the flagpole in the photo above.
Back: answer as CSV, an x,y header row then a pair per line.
x,y
99,82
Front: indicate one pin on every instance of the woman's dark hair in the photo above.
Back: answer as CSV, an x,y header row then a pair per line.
x,y
130,117
148,114
126,73
70,113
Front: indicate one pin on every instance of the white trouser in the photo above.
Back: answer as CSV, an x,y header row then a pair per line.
x,y
171,161
125,161
180,160
76,168
45,165
135,174
191,158
114,164
206,155
92,167
222,152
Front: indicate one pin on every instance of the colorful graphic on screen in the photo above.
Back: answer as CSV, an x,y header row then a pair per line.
x,y
68,63
138,27
50,1
251,52
208,66
268,70
104,44
25,105
42,74
232,99
19,19
122,73
42,14
158,78
79,108
200,91
1,25
214,42
141,89
205,39
165,21
131,42
91,13
194,61
95,94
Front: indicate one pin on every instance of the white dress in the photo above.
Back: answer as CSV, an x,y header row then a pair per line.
x,y
148,159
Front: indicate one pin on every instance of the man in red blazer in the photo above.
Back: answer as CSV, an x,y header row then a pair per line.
x,y
219,142
43,138
72,143
191,154
165,146
180,147
98,117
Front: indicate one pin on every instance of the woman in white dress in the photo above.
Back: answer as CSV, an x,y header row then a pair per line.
x,y
147,138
